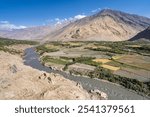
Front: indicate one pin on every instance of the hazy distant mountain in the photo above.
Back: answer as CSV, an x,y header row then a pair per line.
x,y
143,35
107,25
27,33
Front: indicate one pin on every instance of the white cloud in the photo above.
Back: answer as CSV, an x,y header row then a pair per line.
x,y
58,21
96,10
67,20
79,16
64,21
6,25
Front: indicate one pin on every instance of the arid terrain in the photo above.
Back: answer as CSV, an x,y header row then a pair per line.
x,y
19,81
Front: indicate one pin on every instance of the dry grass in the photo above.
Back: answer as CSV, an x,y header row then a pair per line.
x,y
92,46
139,61
103,61
112,68
116,57
50,46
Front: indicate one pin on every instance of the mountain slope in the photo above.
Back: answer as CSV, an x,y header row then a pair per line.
x,y
28,33
107,25
142,35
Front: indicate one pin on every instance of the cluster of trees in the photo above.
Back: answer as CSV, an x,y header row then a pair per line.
x,y
116,47
46,59
12,51
76,60
42,49
7,42
84,60
142,49
133,84
113,50
121,47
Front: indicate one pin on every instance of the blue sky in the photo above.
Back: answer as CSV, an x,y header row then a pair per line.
x,y
39,12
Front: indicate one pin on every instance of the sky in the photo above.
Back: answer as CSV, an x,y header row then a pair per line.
x,y
26,13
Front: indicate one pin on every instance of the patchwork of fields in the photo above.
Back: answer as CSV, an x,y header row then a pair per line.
x,y
104,60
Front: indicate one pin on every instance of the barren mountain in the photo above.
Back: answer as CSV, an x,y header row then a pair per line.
x,y
28,33
143,35
107,25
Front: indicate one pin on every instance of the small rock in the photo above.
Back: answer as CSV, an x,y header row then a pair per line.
x,y
49,80
45,74
96,94
79,85
13,68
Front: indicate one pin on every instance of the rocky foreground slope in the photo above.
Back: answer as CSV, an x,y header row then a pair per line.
x,y
18,81
107,25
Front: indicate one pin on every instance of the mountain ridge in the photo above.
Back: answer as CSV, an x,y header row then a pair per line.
x,y
31,33
107,25
143,35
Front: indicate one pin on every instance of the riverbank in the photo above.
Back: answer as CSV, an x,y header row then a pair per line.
x,y
114,92
19,81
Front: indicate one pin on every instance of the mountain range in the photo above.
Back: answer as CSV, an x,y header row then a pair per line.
x,y
106,25
32,33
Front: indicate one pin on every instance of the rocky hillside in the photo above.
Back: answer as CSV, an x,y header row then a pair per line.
x,y
18,81
107,25
143,35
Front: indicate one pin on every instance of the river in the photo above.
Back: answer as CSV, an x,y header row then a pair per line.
x,y
113,91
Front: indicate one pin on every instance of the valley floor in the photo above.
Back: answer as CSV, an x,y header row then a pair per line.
x,y
19,81
114,91
124,63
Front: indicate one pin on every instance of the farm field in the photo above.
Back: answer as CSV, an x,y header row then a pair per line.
x,y
102,60
112,68
139,74
138,61
118,59
112,61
